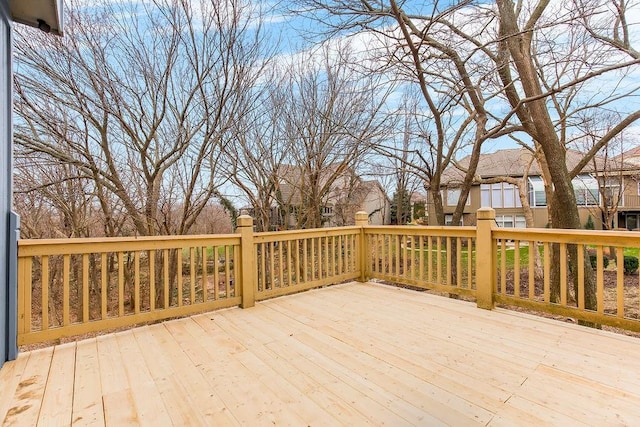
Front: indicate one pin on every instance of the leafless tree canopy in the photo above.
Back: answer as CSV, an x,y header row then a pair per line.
x,y
137,101
134,125
529,69
317,120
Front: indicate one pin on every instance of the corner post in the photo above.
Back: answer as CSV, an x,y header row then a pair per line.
x,y
362,219
245,228
485,270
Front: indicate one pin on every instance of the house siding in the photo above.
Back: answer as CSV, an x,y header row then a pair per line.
x,y
8,315
540,214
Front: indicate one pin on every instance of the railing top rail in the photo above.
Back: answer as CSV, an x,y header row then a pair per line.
x,y
558,235
34,247
445,231
270,236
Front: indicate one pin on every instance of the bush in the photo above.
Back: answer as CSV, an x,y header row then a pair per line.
x,y
594,261
630,264
589,225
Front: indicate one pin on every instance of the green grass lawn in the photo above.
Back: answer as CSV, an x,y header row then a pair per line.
x,y
509,253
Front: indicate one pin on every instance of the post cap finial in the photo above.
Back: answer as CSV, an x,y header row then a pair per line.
x,y
362,218
486,213
245,221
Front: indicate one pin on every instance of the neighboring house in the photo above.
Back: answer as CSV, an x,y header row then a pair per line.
x,y
630,156
628,166
617,180
367,196
45,14
346,194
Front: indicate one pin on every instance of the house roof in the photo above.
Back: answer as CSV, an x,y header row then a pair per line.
x,y
290,177
509,162
514,162
43,14
630,156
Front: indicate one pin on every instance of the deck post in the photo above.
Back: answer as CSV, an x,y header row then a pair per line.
x,y
485,270
245,228
362,219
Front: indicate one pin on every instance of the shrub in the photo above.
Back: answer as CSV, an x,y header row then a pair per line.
x,y
590,225
593,258
630,264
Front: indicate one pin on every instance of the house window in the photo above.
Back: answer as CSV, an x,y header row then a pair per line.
x,y
499,195
505,221
453,195
327,210
537,196
586,190
612,193
496,196
448,220
510,221
509,194
485,195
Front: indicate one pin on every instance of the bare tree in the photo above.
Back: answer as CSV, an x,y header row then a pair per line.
x,y
139,99
519,64
253,159
331,117
608,166
64,207
447,56
607,22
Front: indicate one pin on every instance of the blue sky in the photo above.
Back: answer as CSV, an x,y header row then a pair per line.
x,y
290,30
295,28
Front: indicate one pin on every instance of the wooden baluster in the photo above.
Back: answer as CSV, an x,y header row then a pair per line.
x,y
66,261
192,275
152,280
600,280
45,292
136,282
104,286
85,288
516,268
563,274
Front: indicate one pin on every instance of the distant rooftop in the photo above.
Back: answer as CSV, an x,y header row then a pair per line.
x,y
516,161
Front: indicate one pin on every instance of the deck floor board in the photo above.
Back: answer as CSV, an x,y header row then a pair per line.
x,y
351,354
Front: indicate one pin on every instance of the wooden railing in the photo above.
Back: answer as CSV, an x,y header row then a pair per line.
x,y
524,261
75,286
438,258
294,261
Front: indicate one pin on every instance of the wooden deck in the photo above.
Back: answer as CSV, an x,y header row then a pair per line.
x,y
354,354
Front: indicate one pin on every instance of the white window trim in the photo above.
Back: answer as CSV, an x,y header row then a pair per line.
x,y
537,185
514,220
587,183
448,220
504,188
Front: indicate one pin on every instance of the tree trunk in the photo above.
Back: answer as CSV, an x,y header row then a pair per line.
x,y
536,120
